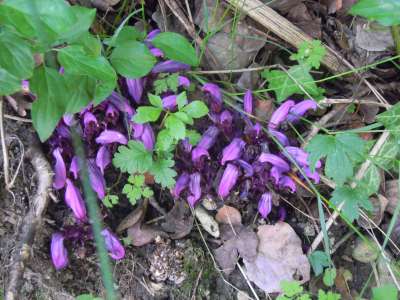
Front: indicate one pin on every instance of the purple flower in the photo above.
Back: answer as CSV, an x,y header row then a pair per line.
x,y
103,158
282,138
89,120
147,137
287,182
215,94
297,111
300,156
225,119
195,188
111,136
74,167
228,180
113,245
59,254
25,86
137,129
312,175
121,103
186,145
257,129
248,169
59,169
183,81
276,174
69,119
248,102
169,102
135,88
233,150
274,160
198,153
152,34
96,179
180,185
112,112
169,66
74,201
282,213
209,137
280,114
157,52
265,204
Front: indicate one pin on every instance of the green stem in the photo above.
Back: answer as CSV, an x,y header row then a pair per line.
x,y
396,37
95,218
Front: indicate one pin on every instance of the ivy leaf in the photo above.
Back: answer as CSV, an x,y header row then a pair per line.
x,y
391,119
163,172
127,34
341,151
196,109
133,158
9,84
353,200
155,100
386,12
147,114
177,128
16,55
385,292
176,47
50,89
310,53
132,59
164,140
284,86
318,260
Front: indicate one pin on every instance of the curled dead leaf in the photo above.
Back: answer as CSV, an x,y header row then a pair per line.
x,y
228,215
134,217
178,221
143,234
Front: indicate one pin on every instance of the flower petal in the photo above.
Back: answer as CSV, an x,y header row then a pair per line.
x,y
103,158
135,88
274,160
233,150
59,254
157,52
225,119
276,174
96,179
209,137
228,180
282,138
287,182
248,169
73,199
180,185
89,119
280,114
59,169
198,153
215,94
265,204
169,102
183,81
111,136
248,102
74,167
121,103
195,188
113,244
312,175
111,112
297,111
169,66
147,137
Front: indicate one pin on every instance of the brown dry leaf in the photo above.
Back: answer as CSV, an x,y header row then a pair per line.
x,y
337,5
282,6
178,221
242,241
373,37
228,215
143,234
134,217
280,257
301,17
264,109
392,194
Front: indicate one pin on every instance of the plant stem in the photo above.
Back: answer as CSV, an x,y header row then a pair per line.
x,y
95,218
396,37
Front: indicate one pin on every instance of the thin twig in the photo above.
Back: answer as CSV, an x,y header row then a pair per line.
x,y
330,101
196,284
15,118
4,147
233,70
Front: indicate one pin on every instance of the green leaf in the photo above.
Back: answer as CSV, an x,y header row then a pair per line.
x,y
284,86
84,18
50,88
163,172
167,83
318,260
138,180
9,84
147,114
133,158
87,297
155,100
328,296
386,12
184,117
353,200
176,47
147,192
329,276
196,109
80,90
386,157
132,59
90,44
16,55
310,53
110,200
371,180
193,136
391,119
176,127
133,193
164,140
385,292
341,152
127,34
291,288
181,100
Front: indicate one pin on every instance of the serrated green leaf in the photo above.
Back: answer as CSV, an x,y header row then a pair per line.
x,y
146,114
328,295
353,200
133,193
138,180
132,59
155,100
163,172
164,140
385,292
16,55
9,84
147,192
172,82
196,109
386,12
50,88
291,288
284,86
133,158
110,200
184,117
318,260
127,34
310,53
176,47
176,127
329,276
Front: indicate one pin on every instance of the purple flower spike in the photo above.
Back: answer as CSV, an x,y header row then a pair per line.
x,y
209,137
74,167
180,185
282,138
299,155
59,254
170,66
103,158
59,169
74,200
216,96
297,111
228,180
195,188
111,136
89,119
265,204
96,179
148,137
169,102
248,169
152,34
225,119
257,129
312,175
112,112
287,182
280,114
248,102
135,88
198,153
183,81
233,150
137,129
113,245
274,160
157,52
121,103
282,213
186,145
276,174
69,119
